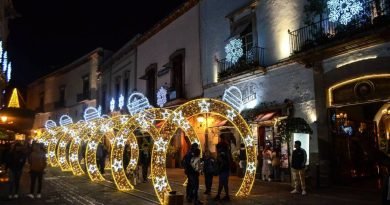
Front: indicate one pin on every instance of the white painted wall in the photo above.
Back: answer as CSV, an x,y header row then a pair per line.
x,y
179,34
273,19
72,79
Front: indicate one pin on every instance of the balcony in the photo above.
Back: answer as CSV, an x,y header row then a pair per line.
x,y
251,60
83,96
368,28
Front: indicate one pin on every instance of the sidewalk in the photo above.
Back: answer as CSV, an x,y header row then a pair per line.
x,y
64,188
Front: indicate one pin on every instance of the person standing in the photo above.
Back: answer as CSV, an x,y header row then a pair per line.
x,y
37,161
223,162
267,164
208,170
14,163
242,158
188,170
298,164
194,176
145,160
276,165
101,159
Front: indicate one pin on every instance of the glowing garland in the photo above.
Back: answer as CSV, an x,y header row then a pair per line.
x,y
343,10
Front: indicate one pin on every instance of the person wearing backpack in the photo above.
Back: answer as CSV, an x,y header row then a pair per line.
x,y
194,176
209,169
37,161
188,170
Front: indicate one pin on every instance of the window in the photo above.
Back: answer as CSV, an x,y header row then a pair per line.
x,y
103,100
117,88
150,76
177,73
243,29
85,86
126,85
62,95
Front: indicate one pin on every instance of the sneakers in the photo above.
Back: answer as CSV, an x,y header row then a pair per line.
x,y
304,193
38,196
295,191
10,196
30,196
16,196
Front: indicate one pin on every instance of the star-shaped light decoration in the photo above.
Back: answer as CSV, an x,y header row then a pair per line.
x,y
165,114
62,144
117,165
73,157
178,118
112,140
91,125
160,183
104,128
204,106
186,125
248,141
160,144
62,160
46,143
133,162
251,168
72,133
120,141
52,132
65,129
92,168
92,145
141,119
52,154
133,145
123,119
231,115
54,140
77,140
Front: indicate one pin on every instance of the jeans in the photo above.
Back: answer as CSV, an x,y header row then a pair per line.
x,y
208,181
101,164
194,178
223,183
189,194
34,176
14,181
145,171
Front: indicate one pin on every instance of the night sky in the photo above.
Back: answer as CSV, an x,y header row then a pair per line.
x,y
52,33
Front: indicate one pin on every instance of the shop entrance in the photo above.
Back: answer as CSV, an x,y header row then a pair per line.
x,y
357,137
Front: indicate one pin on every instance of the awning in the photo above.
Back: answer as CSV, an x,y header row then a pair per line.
x,y
265,117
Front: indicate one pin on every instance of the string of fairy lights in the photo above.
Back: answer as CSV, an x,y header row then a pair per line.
x,y
67,143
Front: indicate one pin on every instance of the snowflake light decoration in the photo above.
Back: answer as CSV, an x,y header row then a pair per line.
x,y
120,141
204,106
234,50
112,104
121,101
161,183
160,144
117,165
161,97
343,10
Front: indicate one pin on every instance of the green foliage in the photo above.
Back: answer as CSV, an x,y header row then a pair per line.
x,y
288,126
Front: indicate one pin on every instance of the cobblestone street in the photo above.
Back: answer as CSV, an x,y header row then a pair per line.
x,y
64,188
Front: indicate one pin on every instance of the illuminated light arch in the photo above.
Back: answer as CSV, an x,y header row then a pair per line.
x,y
127,125
187,110
81,136
64,140
52,145
96,135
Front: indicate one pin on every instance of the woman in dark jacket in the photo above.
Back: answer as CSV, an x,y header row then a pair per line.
x,y
14,163
223,162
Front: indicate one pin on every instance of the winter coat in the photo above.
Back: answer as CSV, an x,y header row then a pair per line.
x,y
37,161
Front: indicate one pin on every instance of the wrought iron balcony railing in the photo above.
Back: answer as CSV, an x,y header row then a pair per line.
x,y
251,59
375,13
